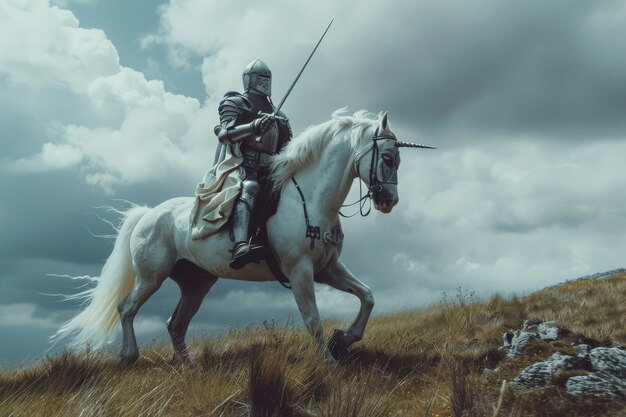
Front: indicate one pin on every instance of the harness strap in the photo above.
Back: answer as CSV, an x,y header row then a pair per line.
x,y
272,262
312,232
306,214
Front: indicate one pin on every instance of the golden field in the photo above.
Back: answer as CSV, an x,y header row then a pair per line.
x,y
427,362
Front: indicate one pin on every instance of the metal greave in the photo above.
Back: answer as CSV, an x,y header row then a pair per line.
x,y
241,221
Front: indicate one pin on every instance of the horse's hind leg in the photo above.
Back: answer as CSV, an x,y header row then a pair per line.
x,y
146,284
153,260
194,284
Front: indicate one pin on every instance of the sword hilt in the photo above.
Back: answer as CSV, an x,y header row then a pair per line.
x,y
272,117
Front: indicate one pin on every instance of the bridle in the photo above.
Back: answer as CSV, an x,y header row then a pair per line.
x,y
376,185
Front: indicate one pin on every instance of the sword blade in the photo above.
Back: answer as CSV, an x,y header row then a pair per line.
x,y
303,67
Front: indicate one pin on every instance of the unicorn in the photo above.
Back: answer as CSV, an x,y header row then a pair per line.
x,y
313,174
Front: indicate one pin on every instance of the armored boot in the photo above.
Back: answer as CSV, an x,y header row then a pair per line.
x,y
244,251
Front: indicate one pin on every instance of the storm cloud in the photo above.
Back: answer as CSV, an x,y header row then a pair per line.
x,y
525,102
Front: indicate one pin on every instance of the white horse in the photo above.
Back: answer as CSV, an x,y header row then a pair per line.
x,y
154,243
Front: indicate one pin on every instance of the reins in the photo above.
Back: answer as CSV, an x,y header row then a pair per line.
x,y
361,200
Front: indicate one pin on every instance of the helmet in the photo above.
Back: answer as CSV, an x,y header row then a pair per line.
x,y
258,78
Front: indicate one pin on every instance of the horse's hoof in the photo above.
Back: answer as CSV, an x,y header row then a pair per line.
x,y
128,361
182,360
337,344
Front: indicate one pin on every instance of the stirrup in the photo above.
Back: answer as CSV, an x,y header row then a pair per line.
x,y
246,252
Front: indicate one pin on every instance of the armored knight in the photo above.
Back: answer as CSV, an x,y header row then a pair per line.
x,y
249,121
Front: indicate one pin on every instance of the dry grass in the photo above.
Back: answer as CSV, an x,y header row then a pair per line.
x,y
427,362
594,308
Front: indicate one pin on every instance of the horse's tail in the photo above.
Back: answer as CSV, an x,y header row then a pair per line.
x,y
94,325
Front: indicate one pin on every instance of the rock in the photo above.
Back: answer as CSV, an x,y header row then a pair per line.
x,y
604,368
530,323
601,275
592,386
607,377
518,342
610,364
584,350
542,373
549,331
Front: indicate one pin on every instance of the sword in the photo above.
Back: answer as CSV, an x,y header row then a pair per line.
x,y
303,67
274,114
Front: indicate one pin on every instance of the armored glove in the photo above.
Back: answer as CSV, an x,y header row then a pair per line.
x,y
237,133
263,123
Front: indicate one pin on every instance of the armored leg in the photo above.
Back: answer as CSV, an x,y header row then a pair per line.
x,y
244,251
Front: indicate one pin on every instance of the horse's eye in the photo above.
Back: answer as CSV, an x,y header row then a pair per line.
x,y
388,159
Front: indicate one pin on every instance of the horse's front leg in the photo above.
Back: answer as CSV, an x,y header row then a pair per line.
x,y
338,276
302,285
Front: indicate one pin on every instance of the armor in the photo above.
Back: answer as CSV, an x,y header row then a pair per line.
x,y
247,121
258,78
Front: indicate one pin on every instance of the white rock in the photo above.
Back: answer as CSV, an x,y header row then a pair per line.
x,y
610,364
519,341
541,373
592,386
549,331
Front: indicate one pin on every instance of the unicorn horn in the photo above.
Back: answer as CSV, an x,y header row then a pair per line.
x,y
413,145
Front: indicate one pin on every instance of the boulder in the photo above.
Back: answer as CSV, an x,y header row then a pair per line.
x,y
516,341
606,377
520,339
549,331
599,372
542,373
610,364
593,386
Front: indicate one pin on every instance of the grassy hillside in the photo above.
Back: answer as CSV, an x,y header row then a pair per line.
x,y
427,362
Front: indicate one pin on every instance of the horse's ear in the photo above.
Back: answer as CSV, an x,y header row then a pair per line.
x,y
384,123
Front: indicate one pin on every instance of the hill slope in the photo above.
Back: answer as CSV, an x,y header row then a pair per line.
x,y
437,361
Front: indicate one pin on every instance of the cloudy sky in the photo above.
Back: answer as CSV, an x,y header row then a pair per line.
x,y
105,101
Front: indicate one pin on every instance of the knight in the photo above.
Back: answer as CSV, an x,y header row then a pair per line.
x,y
250,125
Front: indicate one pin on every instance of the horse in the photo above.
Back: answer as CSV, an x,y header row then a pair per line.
x,y
153,244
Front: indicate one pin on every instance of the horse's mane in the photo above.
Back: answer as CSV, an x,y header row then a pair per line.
x,y
306,148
